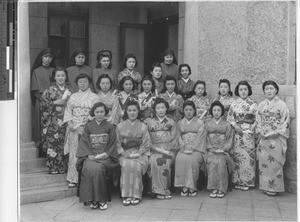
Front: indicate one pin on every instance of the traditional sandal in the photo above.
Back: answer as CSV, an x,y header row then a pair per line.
x,y
244,188
103,206
271,194
220,194
192,193
62,171
72,185
213,194
94,206
135,201
126,201
237,187
53,172
162,197
184,193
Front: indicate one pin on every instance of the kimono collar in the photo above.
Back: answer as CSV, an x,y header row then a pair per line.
x,y
189,121
170,95
124,94
185,80
84,92
160,120
130,72
131,123
107,94
201,97
146,94
223,97
217,122
274,99
61,87
98,123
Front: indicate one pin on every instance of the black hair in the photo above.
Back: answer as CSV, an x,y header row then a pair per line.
x,y
82,76
101,54
128,56
155,64
184,65
76,53
132,102
192,104
202,83
244,83
103,76
216,103
96,105
167,52
158,101
170,78
228,83
149,78
270,82
52,79
122,81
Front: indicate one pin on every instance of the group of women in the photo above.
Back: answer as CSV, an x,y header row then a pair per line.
x,y
153,125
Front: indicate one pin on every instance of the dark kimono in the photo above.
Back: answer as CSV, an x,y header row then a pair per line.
x,y
169,70
74,71
98,72
97,138
186,89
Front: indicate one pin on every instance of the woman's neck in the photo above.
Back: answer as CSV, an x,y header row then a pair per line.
x,y
199,96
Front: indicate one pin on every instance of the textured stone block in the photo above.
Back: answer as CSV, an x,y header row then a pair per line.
x,y
291,104
38,32
38,9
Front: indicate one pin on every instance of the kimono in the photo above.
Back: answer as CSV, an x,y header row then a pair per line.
x,y
272,116
226,102
40,81
202,104
133,138
77,111
74,71
169,70
112,103
123,99
98,72
97,138
186,89
163,134
175,102
159,85
192,139
240,113
52,129
218,165
146,101
135,75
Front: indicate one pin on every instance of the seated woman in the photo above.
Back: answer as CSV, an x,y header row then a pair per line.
x,y
98,156
133,144
218,143
189,159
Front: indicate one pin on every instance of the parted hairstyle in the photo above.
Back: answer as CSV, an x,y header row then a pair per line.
x,y
216,103
103,76
155,64
167,52
228,83
96,105
202,83
158,101
122,81
76,53
148,78
52,79
101,54
128,56
192,104
170,78
270,82
243,83
132,102
184,65
82,76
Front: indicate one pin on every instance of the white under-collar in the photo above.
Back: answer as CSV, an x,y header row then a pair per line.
x,y
61,87
189,121
161,119
131,123
185,80
217,122
170,95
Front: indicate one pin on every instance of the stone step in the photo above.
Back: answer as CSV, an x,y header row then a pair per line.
x,y
27,145
28,153
33,165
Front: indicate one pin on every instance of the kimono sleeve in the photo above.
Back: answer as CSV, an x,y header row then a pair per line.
x,y
115,111
46,107
253,110
229,137
258,130
181,144
84,146
120,149
283,128
200,142
146,141
173,137
68,116
231,114
180,105
111,148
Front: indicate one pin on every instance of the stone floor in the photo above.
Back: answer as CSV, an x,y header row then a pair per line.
x,y
237,205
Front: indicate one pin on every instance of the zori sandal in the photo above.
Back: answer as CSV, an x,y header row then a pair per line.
x,y
184,193
192,193
126,201
135,201
103,206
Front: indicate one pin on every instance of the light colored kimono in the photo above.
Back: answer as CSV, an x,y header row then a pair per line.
x,y
226,102
175,102
202,105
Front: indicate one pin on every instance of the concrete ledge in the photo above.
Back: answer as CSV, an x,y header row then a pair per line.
x,y
33,165
27,145
28,153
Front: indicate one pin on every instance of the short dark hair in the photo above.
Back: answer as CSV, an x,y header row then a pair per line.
x,y
128,56
155,64
76,53
103,76
270,82
228,83
122,81
202,83
190,103
243,83
132,102
101,54
216,103
96,105
149,78
167,52
184,65
82,76
52,79
170,78
158,101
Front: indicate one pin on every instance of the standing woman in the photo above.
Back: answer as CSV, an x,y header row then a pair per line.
x,y
77,115
41,73
241,116
169,65
78,65
133,144
273,120
104,66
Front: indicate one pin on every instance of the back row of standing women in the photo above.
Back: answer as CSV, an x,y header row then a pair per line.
x,y
269,121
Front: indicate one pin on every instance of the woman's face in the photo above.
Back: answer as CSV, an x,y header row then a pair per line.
x,y
128,86
60,77
243,91
170,85
99,113
200,89
160,110
156,73
104,84
217,112
104,62
184,72
46,60
83,84
130,63
80,59
188,112
270,91
168,59
147,85
224,89
132,112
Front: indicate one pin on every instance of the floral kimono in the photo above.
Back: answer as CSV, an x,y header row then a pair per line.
x,y
123,99
135,75
202,105
240,113
163,134
218,164
190,157
226,102
53,130
76,112
175,100
272,116
146,101
111,101
133,138
74,71
186,88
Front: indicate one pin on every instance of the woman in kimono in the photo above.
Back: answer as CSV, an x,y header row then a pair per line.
x,y
97,155
225,96
185,84
146,97
191,134
105,84
133,144
163,134
175,101
78,65
219,144
41,73
241,116
273,130
53,102
77,115
104,66
169,65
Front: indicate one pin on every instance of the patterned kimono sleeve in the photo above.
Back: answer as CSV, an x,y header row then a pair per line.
x,y
46,107
146,141
120,76
115,112
181,144
283,128
120,149
207,104
229,138
200,142
173,138
208,142
258,130
180,105
230,116
253,109
68,116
